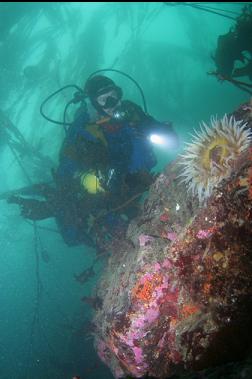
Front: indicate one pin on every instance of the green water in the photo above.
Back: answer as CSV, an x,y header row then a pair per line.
x,y
44,330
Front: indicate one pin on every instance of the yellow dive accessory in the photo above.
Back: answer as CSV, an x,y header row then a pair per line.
x,y
91,183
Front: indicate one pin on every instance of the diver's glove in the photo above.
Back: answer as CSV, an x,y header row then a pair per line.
x,y
32,209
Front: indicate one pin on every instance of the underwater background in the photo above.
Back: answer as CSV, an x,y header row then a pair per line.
x,y
45,329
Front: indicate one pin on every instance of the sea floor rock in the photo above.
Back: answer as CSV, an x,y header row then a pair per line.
x,y
177,291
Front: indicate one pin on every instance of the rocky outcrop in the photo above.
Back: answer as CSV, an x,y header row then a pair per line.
x,y
177,291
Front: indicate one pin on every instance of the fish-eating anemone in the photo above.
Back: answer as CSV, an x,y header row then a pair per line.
x,y
211,155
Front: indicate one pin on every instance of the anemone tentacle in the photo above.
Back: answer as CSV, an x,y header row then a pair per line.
x,y
210,157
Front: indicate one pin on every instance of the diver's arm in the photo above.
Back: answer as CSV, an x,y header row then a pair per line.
x,y
146,124
69,162
164,129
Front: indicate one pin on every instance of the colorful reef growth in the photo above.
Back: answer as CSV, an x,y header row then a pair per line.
x,y
177,294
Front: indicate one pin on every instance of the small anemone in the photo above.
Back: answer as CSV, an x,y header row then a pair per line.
x,y
211,155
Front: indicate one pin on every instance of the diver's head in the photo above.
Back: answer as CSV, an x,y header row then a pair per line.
x,y
104,95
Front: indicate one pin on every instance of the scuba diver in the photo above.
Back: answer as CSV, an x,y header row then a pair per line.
x,y
236,45
105,164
